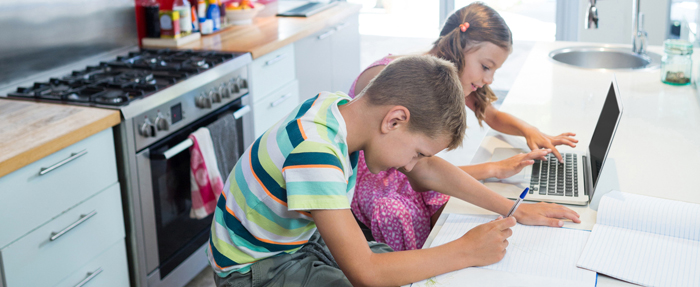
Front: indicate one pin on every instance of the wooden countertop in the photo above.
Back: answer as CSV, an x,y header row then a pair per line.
x,y
267,34
30,131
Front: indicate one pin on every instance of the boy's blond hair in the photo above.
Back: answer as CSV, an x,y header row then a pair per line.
x,y
430,89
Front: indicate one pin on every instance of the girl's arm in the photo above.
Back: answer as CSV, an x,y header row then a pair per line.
x,y
434,173
508,124
505,168
485,244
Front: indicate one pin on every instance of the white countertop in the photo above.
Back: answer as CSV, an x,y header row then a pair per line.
x,y
656,149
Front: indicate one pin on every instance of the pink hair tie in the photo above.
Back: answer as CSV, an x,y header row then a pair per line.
x,y
464,27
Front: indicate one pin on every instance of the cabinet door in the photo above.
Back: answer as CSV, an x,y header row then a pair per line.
x,y
345,47
275,107
313,64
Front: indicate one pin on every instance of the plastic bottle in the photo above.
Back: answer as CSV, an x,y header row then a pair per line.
x,y
206,26
214,14
183,8
195,19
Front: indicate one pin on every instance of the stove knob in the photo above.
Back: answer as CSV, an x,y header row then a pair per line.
x,y
203,101
147,129
161,123
215,96
223,91
243,83
233,86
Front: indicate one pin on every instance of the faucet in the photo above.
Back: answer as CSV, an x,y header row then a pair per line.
x,y
639,35
591,16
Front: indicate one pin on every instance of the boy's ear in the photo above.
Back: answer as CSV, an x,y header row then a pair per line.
x,y
395,118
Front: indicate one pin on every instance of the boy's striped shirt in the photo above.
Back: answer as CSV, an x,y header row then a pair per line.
x,y
299,164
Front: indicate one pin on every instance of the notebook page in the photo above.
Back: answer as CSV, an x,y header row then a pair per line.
x,y
642,258
650,214
532,250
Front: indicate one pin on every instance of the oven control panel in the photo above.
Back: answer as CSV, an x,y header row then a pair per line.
x,y
189,106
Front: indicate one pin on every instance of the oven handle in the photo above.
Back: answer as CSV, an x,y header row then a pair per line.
x,y
241,112
173,151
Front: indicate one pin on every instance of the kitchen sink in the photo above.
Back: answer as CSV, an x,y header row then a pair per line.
x,y
605,58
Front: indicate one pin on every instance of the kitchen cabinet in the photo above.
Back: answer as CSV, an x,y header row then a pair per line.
x,y
68,213
273,87
330,59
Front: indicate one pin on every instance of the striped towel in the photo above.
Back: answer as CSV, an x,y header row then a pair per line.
x,y
205,178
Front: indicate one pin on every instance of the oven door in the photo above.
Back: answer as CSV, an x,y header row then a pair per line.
x,y
171,236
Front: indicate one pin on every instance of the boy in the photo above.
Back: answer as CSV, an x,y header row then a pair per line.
x,y
299,177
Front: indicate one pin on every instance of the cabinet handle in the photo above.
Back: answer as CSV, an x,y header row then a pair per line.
x,y
326,35
73,156
281,100
341,26
241,112
90,276
83,218
275,59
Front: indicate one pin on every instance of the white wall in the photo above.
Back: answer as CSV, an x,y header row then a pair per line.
x,y
615,21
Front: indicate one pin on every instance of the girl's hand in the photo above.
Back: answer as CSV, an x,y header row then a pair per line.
x,y
513,165
547,214
536,140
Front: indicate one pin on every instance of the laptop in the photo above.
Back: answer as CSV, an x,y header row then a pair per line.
x,y
308,9
571,182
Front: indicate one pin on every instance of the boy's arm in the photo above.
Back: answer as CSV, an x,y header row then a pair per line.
x,y
482,245
434,173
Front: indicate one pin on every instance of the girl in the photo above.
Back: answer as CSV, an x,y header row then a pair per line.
x,y
477,40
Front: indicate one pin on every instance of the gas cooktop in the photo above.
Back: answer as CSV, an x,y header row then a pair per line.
x,y
125,79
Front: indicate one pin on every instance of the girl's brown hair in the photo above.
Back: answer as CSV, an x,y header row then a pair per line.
x,y
485,25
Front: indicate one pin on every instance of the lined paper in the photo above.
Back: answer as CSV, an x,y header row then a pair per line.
x,y
534,251
645,240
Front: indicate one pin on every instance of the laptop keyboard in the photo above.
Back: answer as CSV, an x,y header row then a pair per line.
x,y
549,177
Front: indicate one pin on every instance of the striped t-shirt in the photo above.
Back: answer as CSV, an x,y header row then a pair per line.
x,y
299,164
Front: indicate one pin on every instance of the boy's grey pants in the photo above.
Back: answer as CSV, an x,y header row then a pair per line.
x,y
312,265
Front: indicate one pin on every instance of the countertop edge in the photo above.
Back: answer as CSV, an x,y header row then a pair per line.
x,y
33,154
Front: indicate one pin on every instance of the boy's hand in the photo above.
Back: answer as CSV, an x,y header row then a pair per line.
x,y
547,214
513,165
486,244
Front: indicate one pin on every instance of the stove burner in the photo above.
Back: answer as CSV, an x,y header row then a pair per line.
x,y
125,78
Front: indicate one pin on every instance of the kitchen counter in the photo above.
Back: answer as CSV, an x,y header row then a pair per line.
x,y
268,34
30,131
654,151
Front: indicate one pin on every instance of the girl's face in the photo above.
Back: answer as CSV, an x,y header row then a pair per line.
x,y
480,64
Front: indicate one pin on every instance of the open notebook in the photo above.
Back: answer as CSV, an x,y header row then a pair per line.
x,y
535,256
645,240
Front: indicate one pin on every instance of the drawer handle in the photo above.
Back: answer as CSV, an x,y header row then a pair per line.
x,y
326,35
241,112
90,276
275,59
73,156
281,100
341,26
83,218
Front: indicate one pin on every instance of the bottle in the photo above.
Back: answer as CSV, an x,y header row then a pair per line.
x,y
151,17
195,20
183,8
214,14
676,63
206,26
169,24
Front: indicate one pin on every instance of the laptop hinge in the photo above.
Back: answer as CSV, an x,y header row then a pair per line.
x,y
585,174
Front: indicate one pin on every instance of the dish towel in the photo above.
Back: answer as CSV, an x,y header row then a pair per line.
x,y
205,178
224,135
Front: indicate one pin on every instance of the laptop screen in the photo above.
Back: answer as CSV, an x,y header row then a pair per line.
x,y
603,133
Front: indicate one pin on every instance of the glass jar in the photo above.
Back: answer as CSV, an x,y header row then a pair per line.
x,y
676,64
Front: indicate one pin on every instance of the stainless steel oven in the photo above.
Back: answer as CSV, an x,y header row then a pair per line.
x,y
163,95
164,178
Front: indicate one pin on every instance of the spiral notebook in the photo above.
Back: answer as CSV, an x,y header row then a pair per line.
x,y
645,240
535,256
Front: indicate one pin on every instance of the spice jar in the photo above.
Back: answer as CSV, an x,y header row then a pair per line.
x,y
676,64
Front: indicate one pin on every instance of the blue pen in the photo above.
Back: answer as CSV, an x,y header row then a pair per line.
x,y
517,202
